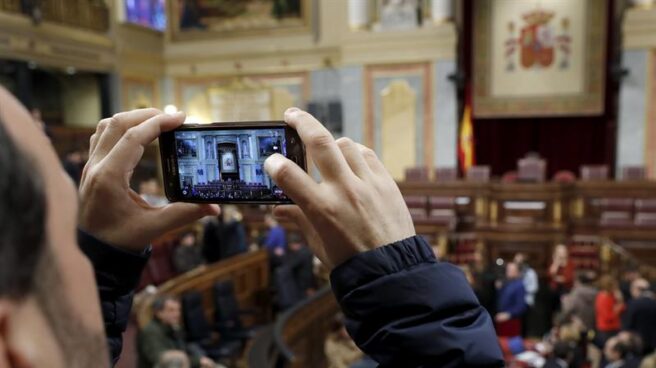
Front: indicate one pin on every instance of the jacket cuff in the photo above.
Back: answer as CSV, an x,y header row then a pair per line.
x,y
116,269
371,265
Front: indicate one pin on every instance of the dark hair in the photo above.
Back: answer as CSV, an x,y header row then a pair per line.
x,y
22,219
563,350
586,278
621,348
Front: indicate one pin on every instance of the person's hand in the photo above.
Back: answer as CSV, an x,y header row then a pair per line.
x,y
109,209
356,207
619,297
502,317
206,362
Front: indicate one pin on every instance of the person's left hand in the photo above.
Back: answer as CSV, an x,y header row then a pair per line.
x,y
109,209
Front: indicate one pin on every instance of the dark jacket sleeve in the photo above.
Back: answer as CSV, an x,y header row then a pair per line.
x,y
117,275
405,309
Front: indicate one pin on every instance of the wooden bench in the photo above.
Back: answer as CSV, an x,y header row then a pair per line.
x,y
249,272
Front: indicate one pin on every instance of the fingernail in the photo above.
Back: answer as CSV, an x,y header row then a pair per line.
x,y
272,163
292,110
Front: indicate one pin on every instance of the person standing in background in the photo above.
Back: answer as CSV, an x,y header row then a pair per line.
x,y
187,255
511,304
580,300
484,282
640,315
561,277
276,239
224,236
609,306
531,286
164,333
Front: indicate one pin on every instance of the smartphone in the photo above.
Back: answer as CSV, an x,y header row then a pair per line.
x,y
224,162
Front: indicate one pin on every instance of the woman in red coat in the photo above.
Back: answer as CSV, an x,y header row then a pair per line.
x,y
609,306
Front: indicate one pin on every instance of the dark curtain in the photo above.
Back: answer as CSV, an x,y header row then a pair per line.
x,y
565,142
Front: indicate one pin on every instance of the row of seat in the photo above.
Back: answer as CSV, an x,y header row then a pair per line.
x,y
528,170
432,210
620,212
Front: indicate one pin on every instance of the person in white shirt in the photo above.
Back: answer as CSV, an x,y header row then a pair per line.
x,y
531,286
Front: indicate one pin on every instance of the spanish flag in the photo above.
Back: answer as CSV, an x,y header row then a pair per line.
x,y
466,141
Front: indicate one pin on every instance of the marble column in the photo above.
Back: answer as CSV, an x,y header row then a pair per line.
x,y
358,13
441,10
632,110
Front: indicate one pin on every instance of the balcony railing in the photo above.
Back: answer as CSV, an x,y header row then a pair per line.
x,y
86,14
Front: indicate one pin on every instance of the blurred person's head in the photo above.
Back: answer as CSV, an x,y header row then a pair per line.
x,y
615,350
520,259
560,253
608,283
512,271
49,309
631,272
639,287
167,310
632,341
295,242
270,221
149,186
188,239
75,156
231,213
586,277
570,332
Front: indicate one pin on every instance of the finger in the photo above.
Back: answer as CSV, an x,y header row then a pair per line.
x,y
295,182
116,127
354,157
319,143
126,154
175,215
95,137
372,160
296,215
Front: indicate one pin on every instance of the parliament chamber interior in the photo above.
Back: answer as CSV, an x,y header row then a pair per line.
x,y
521,134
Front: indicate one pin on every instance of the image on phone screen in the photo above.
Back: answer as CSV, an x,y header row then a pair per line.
x,y
228,165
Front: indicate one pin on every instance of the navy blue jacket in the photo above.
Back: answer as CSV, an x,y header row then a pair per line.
x,y
512,298
405,309
117,275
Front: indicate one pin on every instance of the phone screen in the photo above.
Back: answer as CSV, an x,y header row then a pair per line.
x,y
227,165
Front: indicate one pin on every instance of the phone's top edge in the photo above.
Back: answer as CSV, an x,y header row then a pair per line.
x,y
235,124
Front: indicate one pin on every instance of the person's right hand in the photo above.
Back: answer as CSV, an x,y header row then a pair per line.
x,y
356,207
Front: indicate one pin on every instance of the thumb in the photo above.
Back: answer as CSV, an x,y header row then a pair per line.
x,y
175,215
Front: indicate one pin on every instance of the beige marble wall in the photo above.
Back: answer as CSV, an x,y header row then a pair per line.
x,y
639,37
